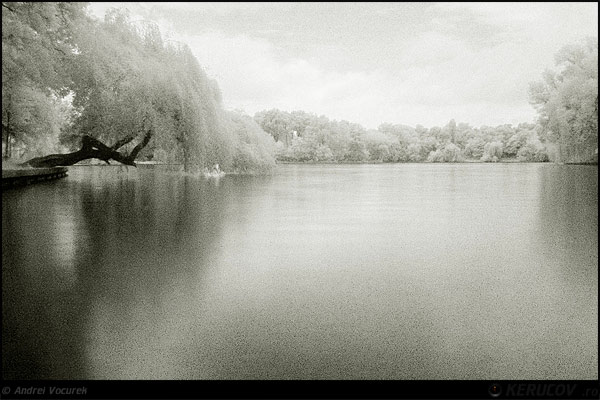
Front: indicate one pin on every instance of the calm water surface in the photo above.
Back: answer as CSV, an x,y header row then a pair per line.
x,y
411,271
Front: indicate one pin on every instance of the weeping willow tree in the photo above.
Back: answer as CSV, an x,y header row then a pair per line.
x,y
201,139
134,95
130,86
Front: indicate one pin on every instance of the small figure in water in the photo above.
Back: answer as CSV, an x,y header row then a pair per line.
x,y
216,169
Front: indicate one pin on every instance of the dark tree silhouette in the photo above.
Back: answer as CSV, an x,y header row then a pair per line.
x,y
93,148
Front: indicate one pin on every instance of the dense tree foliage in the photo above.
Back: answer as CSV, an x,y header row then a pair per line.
x,y
254,150
128,81
303,137
567,101
37,46
66,76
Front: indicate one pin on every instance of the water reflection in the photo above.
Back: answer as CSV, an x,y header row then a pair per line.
x,y
42,317
153,244
332,272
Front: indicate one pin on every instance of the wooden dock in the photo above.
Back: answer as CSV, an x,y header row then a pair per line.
x,y
21,177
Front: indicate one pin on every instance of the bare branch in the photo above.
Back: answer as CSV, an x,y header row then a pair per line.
x,y
141,145
123,142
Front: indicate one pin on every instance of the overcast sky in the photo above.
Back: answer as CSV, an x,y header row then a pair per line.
x,y
404,63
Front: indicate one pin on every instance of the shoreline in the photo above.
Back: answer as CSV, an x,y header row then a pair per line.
x,y
416,162
508,161
27,176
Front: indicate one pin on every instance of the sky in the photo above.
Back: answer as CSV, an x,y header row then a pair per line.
x,y
370,63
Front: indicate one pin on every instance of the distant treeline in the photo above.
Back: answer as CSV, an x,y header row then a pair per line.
x,y
66,74
304,137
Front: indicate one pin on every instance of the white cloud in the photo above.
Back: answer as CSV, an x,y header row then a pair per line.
x,y
253,77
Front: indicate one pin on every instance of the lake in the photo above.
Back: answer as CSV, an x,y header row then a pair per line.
x,y
392,271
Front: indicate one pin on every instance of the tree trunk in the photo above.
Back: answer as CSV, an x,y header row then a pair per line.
x,y
92,148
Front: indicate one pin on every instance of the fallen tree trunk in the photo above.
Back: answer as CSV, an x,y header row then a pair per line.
x,y
92,148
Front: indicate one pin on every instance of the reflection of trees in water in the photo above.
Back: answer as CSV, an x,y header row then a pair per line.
x,y
42,300
568,240
569,218
152,243
102,276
